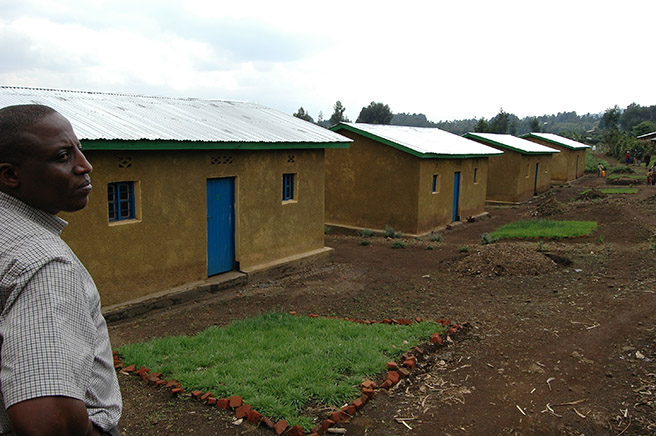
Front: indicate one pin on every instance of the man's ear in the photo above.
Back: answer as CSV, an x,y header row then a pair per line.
x,y
9,177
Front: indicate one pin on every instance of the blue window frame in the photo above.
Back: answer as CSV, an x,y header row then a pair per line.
x,y
475,175
120,201
435,187
287,187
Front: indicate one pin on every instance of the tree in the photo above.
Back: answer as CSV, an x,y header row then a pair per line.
x,y
534,125
611,118
481,126
644,127
375,113
338,114
303,115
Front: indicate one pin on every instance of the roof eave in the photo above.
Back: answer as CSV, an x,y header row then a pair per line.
x,y
145,144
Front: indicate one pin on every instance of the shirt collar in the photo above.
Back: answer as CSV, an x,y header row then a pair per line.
x,y
49,221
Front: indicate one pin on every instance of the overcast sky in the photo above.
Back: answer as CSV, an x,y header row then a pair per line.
x,y
446,59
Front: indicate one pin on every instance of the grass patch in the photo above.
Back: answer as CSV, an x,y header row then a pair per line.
x,y
279,363
399,244
366,233
614,191
626,176
545,229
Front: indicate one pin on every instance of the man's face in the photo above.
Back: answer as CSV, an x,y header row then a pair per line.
x,y
54,176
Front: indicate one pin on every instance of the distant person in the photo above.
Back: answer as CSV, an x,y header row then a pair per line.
x,y
56,367
600,170
647,159
627,158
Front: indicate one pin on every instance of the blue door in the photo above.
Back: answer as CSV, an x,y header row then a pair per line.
x,y
535,184
220,225
455,215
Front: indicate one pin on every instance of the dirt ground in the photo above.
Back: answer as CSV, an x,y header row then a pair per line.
x,y
560,339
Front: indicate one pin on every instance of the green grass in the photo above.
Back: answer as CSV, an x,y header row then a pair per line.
x,y
591,162
545,229
614,191
626,176
280,363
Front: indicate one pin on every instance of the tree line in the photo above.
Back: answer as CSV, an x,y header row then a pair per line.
x,y
616,128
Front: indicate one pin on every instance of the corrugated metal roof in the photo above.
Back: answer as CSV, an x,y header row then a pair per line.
x,y
105,116
511,142
565,142
423,141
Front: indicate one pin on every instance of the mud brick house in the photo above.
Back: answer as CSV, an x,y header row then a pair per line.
x,y
184,188
522,171
412,179
567,165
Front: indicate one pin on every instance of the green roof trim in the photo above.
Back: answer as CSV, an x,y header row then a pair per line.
x,y
551,141
146,144
406,149
505,146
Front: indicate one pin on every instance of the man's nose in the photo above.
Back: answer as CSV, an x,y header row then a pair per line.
x,y
82,165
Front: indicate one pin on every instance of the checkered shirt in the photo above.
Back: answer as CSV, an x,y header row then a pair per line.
x,y
53,337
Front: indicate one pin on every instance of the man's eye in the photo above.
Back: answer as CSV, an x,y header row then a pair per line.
x,y
63,156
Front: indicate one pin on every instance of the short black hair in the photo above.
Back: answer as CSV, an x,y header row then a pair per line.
x,y
14,121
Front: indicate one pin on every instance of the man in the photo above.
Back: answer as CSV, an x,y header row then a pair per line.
x,y
56,373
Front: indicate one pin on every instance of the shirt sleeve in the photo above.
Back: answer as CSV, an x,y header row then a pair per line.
x,y
48,336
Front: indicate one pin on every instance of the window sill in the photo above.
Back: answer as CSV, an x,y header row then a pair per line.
x,y
123,222
289,202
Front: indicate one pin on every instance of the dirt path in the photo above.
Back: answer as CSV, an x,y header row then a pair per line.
x,y
567,351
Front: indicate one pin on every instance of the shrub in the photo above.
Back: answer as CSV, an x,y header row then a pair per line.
x,y
429,247
366,233
399,244
390,233
327,230
463,249
488,238
435,237
365,243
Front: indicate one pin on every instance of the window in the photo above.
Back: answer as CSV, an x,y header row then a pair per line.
x,y
475,175
287,187
120,201
436,183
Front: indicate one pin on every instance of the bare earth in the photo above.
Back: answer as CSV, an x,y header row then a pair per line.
x,y
559,345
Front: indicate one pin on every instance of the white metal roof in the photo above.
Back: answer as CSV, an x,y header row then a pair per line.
x,y
424,140
565,142
513,143
96,115
647,135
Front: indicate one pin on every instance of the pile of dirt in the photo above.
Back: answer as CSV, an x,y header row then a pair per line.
x,y
623,170
505,259
550,207
623,181
591,194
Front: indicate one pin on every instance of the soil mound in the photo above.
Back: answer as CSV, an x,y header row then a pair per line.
x,y
623,170
623,181
592,194
505,259
550,207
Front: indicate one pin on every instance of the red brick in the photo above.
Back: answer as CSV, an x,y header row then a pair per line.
x,y
326,424
222,403
118,365
205,396
293,312
392,365
297,430
142,370
156,374
418,319
451,331
410,363
176,391
369,384
267,421
403,372
314,434
253,416
243,410
404,321
173,384
418,350
349,410
386,384
336,416
365,399
151,379
235,401
369,393
160,382
280,426
358,403
393,376
211,401
436,338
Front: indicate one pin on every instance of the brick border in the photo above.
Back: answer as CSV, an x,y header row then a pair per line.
x,y
368,388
